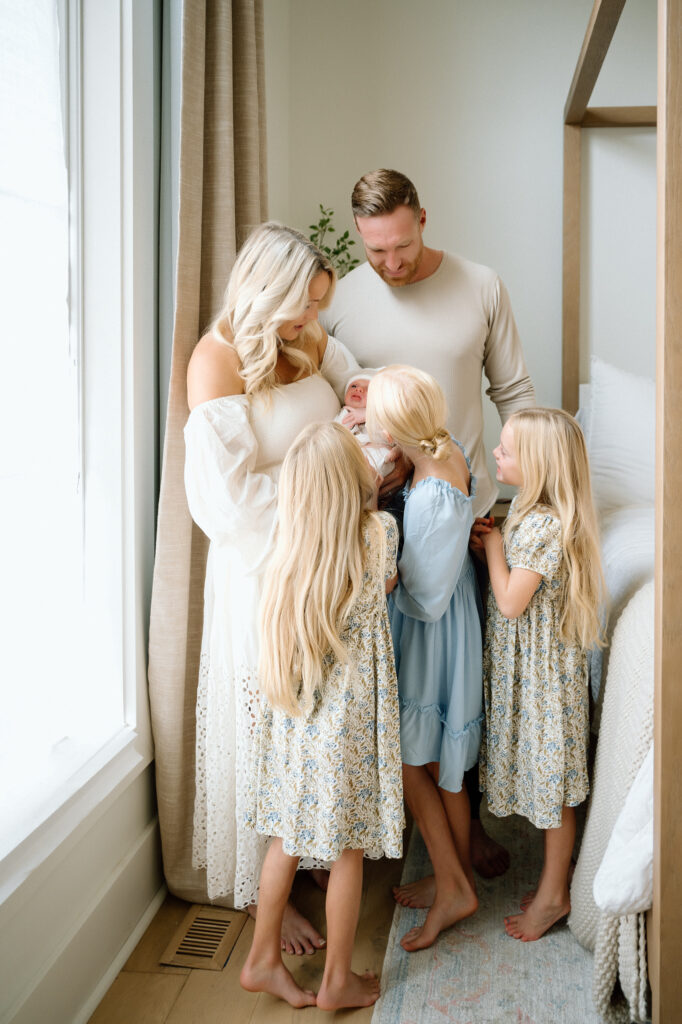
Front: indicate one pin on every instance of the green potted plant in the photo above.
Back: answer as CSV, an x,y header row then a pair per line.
x,y
339,254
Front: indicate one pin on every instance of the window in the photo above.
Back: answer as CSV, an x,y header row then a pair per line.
x,y
78,402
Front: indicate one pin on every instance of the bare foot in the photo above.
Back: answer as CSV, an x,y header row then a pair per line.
x,y
446,911
487,856
528,897
298,935
416,894
536,920
354,990
276,980
320,877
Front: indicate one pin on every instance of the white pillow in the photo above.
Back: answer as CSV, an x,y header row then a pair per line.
x,y
620,434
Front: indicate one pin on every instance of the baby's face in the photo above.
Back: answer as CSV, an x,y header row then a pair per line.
x,y
356,393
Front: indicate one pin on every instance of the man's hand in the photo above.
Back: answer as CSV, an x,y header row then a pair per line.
x,y
402,467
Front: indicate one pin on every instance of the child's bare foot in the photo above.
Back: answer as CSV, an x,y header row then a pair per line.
x,y
416,894
536,920
353,990
528,897
487,856
276,980
298,935
446,911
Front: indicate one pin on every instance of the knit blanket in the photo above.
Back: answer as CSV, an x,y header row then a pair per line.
x,y
620,987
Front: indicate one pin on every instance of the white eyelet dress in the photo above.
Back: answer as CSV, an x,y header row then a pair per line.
x,y
234,450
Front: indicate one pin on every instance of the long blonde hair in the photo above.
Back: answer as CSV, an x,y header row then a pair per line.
x,y
316,571
409,404
554,466
268,287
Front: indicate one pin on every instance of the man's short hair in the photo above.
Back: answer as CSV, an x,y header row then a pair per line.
x,y
383,191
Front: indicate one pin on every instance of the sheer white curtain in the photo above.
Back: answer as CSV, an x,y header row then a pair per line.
x,y
53,713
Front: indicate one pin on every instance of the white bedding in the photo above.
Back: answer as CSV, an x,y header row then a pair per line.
x,y
627,542
624,883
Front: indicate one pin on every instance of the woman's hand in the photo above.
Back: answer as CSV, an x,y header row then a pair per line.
x,y
354,417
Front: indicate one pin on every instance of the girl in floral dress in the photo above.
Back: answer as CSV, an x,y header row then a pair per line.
x,y
326,779
546,585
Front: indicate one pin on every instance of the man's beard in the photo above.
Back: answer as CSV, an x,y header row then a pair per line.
x,y
399,282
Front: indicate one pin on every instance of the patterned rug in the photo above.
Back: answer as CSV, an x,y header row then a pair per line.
x,y
475,973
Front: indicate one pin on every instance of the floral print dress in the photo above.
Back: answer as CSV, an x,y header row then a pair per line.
x,y
534,754
330,779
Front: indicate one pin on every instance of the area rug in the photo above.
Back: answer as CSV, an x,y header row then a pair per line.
x,y
475,973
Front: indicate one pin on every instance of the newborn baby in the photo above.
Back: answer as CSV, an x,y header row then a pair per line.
x,y
353,415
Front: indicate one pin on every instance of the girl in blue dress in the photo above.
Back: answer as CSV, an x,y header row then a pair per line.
x,y
436,628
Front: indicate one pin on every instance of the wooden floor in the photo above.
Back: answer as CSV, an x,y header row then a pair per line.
x,y
145,992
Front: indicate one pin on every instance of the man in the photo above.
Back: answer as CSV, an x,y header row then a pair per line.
x,y
448,316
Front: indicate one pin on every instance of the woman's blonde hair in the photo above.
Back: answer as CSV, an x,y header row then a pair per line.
x,y
410,406
269,287
316,571
554,466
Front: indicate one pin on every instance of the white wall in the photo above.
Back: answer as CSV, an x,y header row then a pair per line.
x,y
467,99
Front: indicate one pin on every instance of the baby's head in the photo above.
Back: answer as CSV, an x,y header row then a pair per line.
x,y
408,407
356,391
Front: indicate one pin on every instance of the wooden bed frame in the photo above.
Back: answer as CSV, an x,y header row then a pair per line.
x,y
665,920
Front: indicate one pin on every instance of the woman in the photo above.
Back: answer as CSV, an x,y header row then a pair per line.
x,y
253,384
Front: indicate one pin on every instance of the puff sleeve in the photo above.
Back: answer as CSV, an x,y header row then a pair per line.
x,y
437,527
227,498
337,366
537,545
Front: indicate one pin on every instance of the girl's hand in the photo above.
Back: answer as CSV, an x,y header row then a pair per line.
x,y
490,537
354,417
391,583
482,526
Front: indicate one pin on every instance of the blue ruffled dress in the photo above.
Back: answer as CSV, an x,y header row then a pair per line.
x,y
435,615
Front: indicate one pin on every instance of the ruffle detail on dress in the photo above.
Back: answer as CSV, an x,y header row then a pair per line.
x,y
444,485
431,738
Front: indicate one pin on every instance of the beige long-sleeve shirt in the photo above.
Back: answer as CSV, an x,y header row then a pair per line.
x,y
456,324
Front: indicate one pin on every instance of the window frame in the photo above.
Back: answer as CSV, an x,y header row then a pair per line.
x,y
112,131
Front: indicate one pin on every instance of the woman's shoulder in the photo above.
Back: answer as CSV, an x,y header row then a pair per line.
x,y
213,371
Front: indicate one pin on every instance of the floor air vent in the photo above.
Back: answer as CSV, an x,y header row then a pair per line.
x,y
205,938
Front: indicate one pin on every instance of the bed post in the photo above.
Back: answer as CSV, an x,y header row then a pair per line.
x,y
666,931
570,292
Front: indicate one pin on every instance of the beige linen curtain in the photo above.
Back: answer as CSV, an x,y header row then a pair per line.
x,y
222,195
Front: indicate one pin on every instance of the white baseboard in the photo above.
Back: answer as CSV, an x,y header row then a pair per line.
x,y
108,979
89,957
